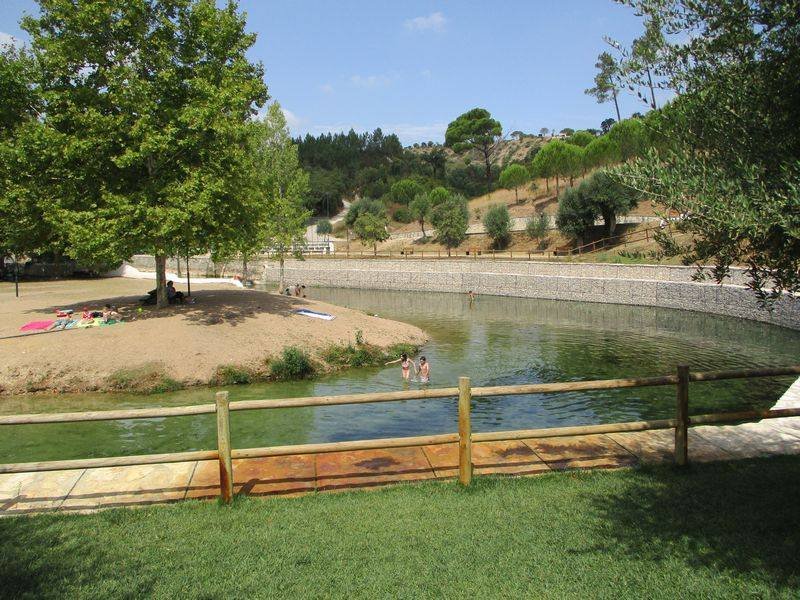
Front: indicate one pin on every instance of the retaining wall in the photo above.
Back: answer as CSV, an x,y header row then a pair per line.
x,y
641,285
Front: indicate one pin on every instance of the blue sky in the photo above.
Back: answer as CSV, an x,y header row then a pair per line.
x,y
411,67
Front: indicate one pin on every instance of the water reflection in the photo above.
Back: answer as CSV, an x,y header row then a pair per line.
x,y
495,341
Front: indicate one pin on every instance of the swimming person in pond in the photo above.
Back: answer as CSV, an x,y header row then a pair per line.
x,y
424,370
406,365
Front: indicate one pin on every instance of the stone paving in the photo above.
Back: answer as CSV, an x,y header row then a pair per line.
x,y
92,489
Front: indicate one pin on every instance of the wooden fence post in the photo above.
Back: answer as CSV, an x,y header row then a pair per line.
x,y
224,448
464,432
682,418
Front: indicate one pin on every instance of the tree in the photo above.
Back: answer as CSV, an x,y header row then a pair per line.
x,y
561,160
542,165
644,54
451,219
475,130
404,190
152,123
600,152
361,206
544,131
606,82
630,138
497,223
567,131
420,208
536,227
606,125
581,138
609,197
371,229
438,195
575,216
514,176
437,160
730,166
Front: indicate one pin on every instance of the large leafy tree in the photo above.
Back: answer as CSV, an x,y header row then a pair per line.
x,y
606,82
731,162
420,208
371,229
148,105
475,130
497,222
404,190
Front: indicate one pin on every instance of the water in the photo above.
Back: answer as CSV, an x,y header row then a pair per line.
x,y
496,341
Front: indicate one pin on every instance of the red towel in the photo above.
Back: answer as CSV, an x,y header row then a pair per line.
x,y
36,325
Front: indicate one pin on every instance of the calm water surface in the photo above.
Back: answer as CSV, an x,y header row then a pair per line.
x,y
496,341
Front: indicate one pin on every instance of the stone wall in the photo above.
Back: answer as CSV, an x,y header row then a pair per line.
x,y
642,285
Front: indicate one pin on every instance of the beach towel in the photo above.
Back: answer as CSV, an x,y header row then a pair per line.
x,y
36,325
314,314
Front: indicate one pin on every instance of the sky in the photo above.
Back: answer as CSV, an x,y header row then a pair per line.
x,y
411,67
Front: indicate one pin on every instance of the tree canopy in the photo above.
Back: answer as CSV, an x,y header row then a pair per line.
x,y
497,222
606,82
475,130
450,217
513,177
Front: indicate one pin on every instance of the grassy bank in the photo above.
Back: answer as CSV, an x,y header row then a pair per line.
x,y
718,530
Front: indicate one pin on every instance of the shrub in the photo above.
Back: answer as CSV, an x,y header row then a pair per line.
x,y
498,225
536,227
150,378
404,190
324,227
403,215
293,363
232,375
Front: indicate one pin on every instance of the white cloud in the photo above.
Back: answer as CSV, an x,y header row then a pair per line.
x,y
433,22
292,120
326,88
6,39
372,81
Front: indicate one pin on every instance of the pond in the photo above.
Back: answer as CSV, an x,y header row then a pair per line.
x,y
495,341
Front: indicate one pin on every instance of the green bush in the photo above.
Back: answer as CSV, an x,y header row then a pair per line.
x,y
497,222
293,363
149,378
232,375
536,227
403,215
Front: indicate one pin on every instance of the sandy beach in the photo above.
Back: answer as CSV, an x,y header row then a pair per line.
x,y
186,342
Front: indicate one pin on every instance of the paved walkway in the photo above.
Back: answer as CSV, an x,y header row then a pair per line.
x,y
90,489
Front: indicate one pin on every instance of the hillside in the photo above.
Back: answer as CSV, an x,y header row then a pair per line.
x,y
507,151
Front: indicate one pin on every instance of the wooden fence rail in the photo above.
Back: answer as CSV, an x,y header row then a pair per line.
x,y
465,437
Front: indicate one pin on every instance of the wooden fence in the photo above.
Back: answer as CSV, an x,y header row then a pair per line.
x,y
464,437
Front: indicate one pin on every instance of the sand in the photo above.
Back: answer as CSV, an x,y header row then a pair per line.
x,y
225,326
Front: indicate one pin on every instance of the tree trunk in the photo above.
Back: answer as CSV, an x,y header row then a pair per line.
x,y
244,268
570,181
178,266
422,225
547,184
281,284
616,105
516,194
375,249
488,170
650,83
188,278
161,281
558,188
610,220
16,276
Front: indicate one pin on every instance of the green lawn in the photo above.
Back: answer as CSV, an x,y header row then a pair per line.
x,y
722,530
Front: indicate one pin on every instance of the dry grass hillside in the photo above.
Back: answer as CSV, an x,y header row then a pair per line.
x,y
507,151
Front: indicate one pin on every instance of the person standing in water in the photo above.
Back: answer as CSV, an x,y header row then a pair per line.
x,y
424,370
406,365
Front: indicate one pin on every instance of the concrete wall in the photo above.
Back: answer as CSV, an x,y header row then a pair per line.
x,y
641,285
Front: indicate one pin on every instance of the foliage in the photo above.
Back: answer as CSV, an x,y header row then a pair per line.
x,y
732,164
451,219
514,176
404,190
475,130
600,152
327,187
403,214
469,180
293,363
580,138
497,223
606,125
420,208
150,378
601,195
150,144
559,159
536,227
371,228
232,375
629,138
606,82
324,227
363,206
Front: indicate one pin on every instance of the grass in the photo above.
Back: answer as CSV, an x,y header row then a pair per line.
x,y
360,354
150,378
233,375
716,530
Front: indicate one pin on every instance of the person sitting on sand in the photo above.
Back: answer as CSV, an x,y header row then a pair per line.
x,y
424,370
405,364
110,314
174,295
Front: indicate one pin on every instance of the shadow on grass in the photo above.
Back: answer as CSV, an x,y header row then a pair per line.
x,y
740,516
207,307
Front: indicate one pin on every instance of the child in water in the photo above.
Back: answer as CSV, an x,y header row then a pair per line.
x,y
424,370
405,364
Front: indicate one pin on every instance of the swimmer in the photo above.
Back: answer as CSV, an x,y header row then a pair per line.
x,y
405,364
424,370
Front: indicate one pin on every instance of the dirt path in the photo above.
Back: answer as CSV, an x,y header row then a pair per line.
x,y
225,326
